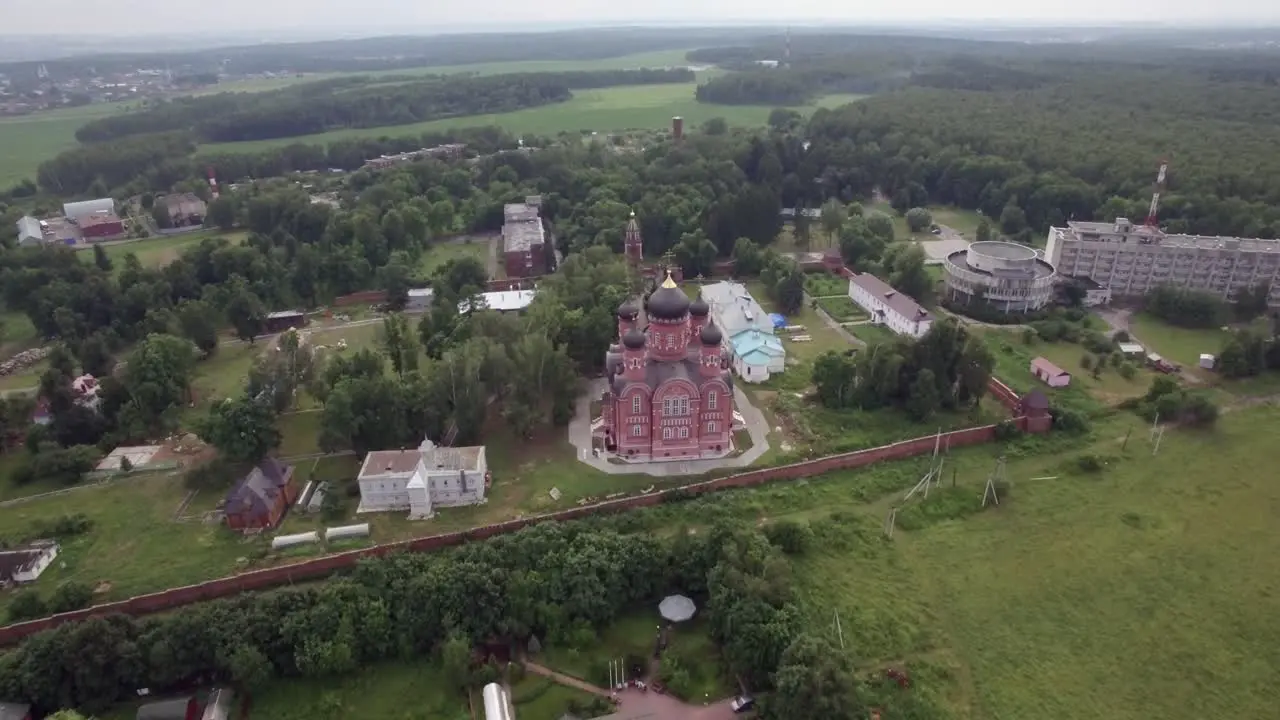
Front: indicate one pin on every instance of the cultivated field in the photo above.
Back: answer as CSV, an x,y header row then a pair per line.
x,y
602,110
29,140
656,59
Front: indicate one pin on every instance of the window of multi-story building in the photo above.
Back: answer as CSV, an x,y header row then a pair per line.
x,y
711,427
637,430
635,405
712,398
666,433
684,433
675,406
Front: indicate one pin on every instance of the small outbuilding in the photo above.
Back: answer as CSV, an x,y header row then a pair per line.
x,y
1050,374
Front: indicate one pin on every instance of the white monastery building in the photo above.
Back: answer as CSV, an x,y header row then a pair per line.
x,y
896,311
421,480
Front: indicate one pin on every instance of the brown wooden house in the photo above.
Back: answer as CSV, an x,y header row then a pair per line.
x,y
259,501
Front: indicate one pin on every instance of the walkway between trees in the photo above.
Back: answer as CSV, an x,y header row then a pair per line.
x,y
636,704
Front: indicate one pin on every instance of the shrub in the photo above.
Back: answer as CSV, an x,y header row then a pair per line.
x,y
1068,420
1089,463
1007,430
70,595
791,537
1121,336
1086,361
1127,370
26,605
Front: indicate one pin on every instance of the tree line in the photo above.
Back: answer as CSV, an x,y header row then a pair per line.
x,y
360,102
555,584
1050,154
948,368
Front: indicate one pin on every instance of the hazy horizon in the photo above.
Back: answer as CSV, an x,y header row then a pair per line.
x,y
330,18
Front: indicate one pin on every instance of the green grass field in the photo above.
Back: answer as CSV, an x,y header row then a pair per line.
x,y
602,110
656,59
159,251
442,253
1144,590
960,220
29,140
132,519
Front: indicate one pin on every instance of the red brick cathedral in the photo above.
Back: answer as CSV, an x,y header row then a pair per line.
x,y
670,395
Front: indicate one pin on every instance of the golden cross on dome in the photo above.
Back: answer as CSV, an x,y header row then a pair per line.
x,y
668,283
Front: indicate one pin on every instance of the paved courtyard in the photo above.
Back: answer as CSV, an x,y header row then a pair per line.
x,y
949,241
580,437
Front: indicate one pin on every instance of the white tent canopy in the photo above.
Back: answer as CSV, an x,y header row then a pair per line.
x,y
677,608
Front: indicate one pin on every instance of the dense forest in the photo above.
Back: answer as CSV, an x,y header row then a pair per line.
x,y
360,102
390,53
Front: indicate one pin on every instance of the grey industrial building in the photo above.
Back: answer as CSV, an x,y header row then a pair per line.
x,y
1132,259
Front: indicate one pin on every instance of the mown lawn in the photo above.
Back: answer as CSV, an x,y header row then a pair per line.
x,y
872,334
841,309
411,690
134,545
1181,345
1013,366
442,253
159,251
961,220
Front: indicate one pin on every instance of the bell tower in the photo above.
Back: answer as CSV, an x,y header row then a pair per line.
x,y
633,244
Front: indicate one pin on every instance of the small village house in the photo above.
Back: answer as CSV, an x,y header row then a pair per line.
x,y
888,307
1050,374
260,499
184,208
282,320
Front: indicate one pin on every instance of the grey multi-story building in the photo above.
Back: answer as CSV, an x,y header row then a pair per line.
x,y
1132,259
1010,277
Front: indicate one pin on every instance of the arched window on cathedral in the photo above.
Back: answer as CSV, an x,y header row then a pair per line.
x,y
713,397
635,405
675,405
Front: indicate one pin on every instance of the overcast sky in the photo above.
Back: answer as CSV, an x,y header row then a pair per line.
x,y
419,16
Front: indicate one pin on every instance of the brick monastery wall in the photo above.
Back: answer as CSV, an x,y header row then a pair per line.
x,y
330,564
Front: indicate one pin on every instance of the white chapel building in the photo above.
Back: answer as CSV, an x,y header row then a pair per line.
x,y
421,480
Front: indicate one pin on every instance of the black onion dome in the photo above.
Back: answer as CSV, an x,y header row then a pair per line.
x,y
668,302
699,308
633,340
711,334
628,310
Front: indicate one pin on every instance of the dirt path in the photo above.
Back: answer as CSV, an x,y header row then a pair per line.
x,y
565,680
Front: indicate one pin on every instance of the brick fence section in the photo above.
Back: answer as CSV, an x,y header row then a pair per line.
x,y
324,566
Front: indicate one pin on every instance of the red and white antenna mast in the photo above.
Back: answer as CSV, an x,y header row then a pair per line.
x,y
213,183
1152,220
